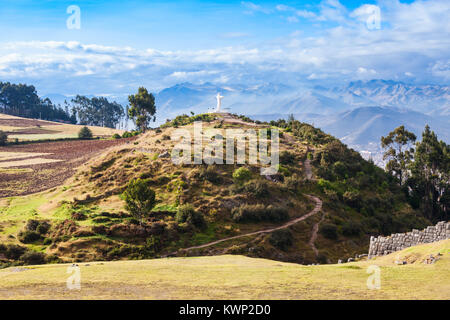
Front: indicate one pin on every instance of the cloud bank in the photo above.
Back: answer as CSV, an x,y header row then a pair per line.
x,y
412,44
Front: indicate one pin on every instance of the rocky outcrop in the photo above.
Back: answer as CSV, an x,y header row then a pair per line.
x,y
384,245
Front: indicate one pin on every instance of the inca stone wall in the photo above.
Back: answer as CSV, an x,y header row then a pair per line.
x,y
384,245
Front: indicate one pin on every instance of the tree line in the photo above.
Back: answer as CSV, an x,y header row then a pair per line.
x,y
23,101
422,169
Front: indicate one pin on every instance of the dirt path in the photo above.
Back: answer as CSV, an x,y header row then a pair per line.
x,y
316,209
226,117
315,230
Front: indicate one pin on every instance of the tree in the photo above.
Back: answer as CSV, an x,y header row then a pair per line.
x,y
430,176
139,198
85,133
3,138
142,108
22,100
97,111
399,152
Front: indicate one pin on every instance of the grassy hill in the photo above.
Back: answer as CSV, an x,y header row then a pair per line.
x,y
237,277
85,219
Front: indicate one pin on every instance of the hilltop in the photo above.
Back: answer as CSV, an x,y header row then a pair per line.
x,y
237,277
322,206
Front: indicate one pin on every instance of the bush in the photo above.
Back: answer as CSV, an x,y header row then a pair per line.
x,y
287,157
242,175
139,198
258,189
210,174
351,229
3,138
12,251
43,227
329,231
258,212
85,133
28,236
293,182
353,199
281,239
32,257
116,136
127,134
187,214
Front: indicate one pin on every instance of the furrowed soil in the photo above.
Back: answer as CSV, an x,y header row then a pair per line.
x,y
15,181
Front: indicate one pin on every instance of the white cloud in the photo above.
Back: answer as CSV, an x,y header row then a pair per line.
x,y
415,42
252,7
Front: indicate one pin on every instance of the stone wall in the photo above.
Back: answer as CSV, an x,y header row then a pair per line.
x,y
384,245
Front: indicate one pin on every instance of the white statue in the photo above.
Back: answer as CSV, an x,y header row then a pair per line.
x,y
219,102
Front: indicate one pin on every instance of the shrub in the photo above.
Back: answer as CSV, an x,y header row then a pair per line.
x,y
127,134
242,174
329,231
33,257
139,198
187,214
258,212
3,138
85,133
116,136
281,239
28,236
292,182
43,227
351,229
210,174
14,251
353,199
258,189
287,157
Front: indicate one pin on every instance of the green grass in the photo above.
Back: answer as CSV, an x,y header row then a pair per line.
x,y
233,277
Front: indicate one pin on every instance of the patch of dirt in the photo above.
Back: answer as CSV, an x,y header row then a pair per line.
x,y
50,175
24,123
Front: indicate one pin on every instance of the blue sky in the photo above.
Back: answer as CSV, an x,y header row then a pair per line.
x,y
124,44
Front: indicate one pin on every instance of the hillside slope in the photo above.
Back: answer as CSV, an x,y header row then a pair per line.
x,y
236,277
85,220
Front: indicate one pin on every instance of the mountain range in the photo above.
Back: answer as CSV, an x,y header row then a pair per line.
x,y
358,113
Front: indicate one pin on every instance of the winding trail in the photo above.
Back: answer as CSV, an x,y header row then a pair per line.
x,y
315,230
316,209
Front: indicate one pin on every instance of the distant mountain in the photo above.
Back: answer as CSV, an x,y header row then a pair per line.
x,y
428,99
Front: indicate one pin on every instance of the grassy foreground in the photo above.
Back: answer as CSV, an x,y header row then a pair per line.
x,y
236,277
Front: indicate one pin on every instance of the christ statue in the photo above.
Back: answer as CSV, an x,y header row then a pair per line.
x,y
219,102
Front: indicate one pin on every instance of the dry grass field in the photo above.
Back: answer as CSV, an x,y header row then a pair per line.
x,y
236,277
31,129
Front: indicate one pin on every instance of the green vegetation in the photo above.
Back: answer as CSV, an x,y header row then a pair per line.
x,y
281,239
242,174
142,109
187,214
97,111
259,212
85,133
23,101
139,198
184,120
